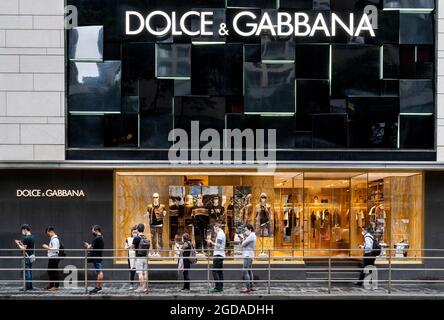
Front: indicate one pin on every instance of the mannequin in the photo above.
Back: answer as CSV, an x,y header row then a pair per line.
x,y
177,221
201,221
247,211
263,220
230,219
262,217
187,215
216,214
156,213
216,211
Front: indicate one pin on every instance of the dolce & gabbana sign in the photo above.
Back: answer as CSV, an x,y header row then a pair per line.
x,y
247,24
49,193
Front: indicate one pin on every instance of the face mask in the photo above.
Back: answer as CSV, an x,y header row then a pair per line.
x,y
263,201
248,232
94,234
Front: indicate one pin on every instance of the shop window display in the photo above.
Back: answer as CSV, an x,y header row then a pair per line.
x,y
306,214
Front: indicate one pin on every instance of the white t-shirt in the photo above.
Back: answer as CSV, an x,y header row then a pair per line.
x,y
54,247
219,245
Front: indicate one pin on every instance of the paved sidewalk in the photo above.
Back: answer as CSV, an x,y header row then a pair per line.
x,y
286,291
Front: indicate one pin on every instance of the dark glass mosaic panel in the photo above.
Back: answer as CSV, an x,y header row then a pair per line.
x,y
343,93
416,96
355,70
94,87
318,53
416,132
269,88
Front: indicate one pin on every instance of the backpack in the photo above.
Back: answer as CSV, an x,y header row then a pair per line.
x,y
376,249
192,258
144,245
61,249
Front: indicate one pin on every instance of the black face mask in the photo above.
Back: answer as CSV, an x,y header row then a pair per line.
x,y
94,234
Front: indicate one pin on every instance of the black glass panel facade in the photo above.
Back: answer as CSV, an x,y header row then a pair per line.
x,y
95,87
269,88
318,92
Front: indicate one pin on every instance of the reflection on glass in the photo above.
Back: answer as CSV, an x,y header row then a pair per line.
x,y
416,28
416,96
269,88
121,131
86,43
209,111
173,61
363,78
416,5
86,131
95,87
156,96
275,50
154,130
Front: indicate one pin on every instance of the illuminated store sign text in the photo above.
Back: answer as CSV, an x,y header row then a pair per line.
x,y
247,24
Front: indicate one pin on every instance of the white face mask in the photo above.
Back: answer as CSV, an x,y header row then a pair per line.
x,y
247,233
263,201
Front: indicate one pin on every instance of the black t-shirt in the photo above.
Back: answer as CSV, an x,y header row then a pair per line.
x,y
98,244
136,243
29,242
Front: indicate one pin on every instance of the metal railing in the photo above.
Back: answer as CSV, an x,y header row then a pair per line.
x,y
278,266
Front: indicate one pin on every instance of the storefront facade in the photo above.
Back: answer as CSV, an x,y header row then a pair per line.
x,y
354,104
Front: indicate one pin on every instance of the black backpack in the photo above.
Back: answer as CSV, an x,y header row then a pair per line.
x,y
376,249
61,249
144,245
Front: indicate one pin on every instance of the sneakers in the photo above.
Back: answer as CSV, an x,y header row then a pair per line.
x,y
140,290
216,290
245,290
95,290
56,289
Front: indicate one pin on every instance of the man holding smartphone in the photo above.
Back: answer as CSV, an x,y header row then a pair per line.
x,y
95,253
27,245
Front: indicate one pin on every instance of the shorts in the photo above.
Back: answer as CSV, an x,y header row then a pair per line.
x,y
141,264
97,266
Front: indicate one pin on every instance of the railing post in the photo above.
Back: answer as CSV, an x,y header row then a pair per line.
x,y
147,270
390,272
86,271
269,271
208,270
329,272
24,271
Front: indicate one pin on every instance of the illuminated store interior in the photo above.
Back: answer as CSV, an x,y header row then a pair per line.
x,y
306,214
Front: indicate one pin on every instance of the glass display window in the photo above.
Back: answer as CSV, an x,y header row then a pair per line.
x,y
301,214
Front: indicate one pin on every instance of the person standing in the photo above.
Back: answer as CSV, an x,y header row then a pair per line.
x,y
248,247
142,245
369,257
27,245
96,253
131,254
218,258
185,254
53,249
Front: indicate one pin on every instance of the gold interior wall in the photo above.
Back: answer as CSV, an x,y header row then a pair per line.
x,y
132,195
403,198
